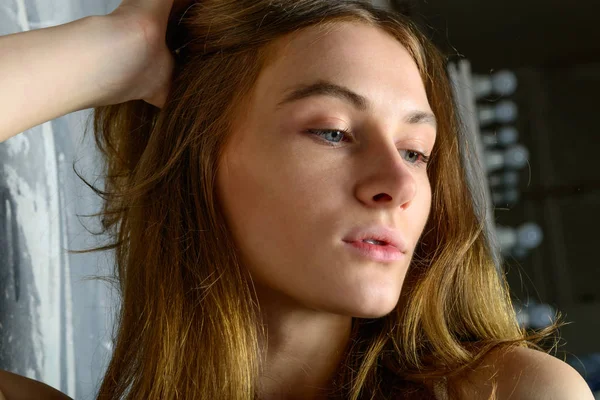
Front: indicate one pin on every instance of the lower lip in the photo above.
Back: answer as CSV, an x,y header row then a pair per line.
x,y
375,252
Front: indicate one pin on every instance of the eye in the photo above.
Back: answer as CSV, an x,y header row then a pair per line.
x,y
424,158
338,134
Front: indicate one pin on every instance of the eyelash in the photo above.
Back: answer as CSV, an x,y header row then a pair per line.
x,y
317,132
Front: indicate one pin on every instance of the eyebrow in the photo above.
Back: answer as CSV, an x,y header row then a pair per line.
x,y
361,103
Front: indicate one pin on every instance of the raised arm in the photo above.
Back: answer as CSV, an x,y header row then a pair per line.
x,y
47,73
90,62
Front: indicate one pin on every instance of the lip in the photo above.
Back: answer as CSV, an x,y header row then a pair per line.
x,y
378,232
375,252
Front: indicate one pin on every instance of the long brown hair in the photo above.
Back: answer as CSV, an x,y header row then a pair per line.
x,y
188,324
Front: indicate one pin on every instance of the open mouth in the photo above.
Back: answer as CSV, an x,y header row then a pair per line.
x,y
376,242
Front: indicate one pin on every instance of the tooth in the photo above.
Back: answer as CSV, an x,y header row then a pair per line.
x,y
373,241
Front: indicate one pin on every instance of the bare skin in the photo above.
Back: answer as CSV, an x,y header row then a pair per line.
x,y
304,196
290,198
94,61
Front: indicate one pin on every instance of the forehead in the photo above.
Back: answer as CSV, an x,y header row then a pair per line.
x,y
366,58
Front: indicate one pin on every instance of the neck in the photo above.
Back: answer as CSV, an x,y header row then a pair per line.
x,y
303,350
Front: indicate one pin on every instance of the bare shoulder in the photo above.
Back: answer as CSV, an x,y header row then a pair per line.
x,y
527,374
17,387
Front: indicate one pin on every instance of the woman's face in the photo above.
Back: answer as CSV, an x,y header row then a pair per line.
x,y
291,198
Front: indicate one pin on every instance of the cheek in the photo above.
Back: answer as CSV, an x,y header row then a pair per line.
x,y
275,205
242,199
257,198
425,210
426,199
428,194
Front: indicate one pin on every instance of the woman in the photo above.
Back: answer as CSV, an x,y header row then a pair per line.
x,y
290,214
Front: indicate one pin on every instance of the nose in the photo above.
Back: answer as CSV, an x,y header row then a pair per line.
x,y
388,180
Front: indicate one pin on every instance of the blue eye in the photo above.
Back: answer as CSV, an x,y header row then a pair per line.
x,y
339,133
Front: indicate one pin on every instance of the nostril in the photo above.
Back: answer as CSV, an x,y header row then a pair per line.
x,y
379,196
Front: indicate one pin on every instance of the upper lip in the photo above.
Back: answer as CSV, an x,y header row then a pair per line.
x,y
378,232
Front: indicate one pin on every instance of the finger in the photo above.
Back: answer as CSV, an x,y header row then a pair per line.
x,y
158,100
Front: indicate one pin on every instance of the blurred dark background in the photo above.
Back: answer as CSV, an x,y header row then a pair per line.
x,y
513,33
553,48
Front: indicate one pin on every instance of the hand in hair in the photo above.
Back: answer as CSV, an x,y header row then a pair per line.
x,y
147,69
95,61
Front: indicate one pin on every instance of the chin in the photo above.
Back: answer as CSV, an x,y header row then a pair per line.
x,y
374,309
372,314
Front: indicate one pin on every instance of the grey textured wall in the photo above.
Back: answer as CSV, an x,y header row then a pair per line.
x,y
54,326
